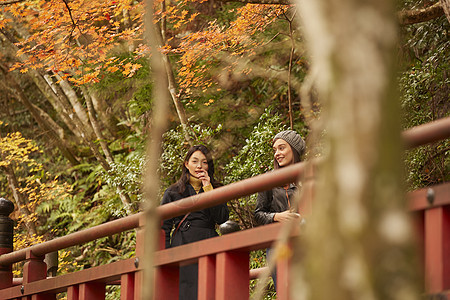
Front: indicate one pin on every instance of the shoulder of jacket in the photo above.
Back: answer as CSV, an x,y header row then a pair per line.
x,y
172,192
171,189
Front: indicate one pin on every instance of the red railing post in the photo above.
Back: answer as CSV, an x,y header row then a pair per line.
x,y
127,286
232,275
42,297
34,268
206,277
6,240
283,272
91,291
166,284
138,275
437,249
73,292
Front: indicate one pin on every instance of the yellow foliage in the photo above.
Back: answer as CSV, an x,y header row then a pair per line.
x,y
16,151
15,148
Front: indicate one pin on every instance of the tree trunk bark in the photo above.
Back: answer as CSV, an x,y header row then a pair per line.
x,y
171,85
358,242
46,85
72,96
106,114
85,129
126,201
97,128
59,131
176,100
446,7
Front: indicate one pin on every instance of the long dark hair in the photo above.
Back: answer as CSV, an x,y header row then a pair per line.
x,y
180,185
295,153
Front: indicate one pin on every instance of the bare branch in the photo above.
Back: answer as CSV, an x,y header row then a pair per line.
x,y
408,17
70,13
11,2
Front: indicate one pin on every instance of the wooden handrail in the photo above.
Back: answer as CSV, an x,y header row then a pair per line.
x,y
427,133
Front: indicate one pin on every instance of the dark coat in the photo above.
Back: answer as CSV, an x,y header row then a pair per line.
x,y
273,201
198,225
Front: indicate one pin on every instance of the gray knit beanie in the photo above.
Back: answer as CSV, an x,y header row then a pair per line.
x,y
293,139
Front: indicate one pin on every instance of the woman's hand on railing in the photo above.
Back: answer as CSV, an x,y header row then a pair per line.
x,y
286,216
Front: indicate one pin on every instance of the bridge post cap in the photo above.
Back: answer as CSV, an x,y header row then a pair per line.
x,y
6,207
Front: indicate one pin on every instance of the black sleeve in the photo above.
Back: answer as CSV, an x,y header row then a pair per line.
x,y
219,213
167,225
263,215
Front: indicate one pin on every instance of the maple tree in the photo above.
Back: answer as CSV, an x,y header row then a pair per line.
x,y
73,38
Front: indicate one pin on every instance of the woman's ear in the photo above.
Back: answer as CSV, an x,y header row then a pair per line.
x,y
186,165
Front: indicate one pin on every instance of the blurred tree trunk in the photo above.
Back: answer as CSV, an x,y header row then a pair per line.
x,y
151,183
358,242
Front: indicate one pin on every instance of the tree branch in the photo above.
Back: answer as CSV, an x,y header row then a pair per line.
x,y
11,2
446,7
408,17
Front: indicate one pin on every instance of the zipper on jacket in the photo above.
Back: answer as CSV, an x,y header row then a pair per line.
x,y
287,196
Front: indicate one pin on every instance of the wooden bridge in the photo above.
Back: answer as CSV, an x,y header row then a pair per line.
x,y
223,261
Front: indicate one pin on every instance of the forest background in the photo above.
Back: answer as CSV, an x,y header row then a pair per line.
x,y
76,102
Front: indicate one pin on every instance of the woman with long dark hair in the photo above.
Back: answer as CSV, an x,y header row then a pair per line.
x,y
197,177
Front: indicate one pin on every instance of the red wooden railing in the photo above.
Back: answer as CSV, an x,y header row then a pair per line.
x,y
224,257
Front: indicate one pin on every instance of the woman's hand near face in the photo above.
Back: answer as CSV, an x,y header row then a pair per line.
x,y
285,216
204,177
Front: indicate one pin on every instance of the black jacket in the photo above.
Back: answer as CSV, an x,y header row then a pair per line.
x,y
273,201
199,225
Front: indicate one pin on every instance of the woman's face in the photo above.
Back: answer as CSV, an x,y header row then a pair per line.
x,y
197,164
283,153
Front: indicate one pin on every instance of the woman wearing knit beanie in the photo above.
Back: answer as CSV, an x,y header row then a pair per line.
x,y
275,205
